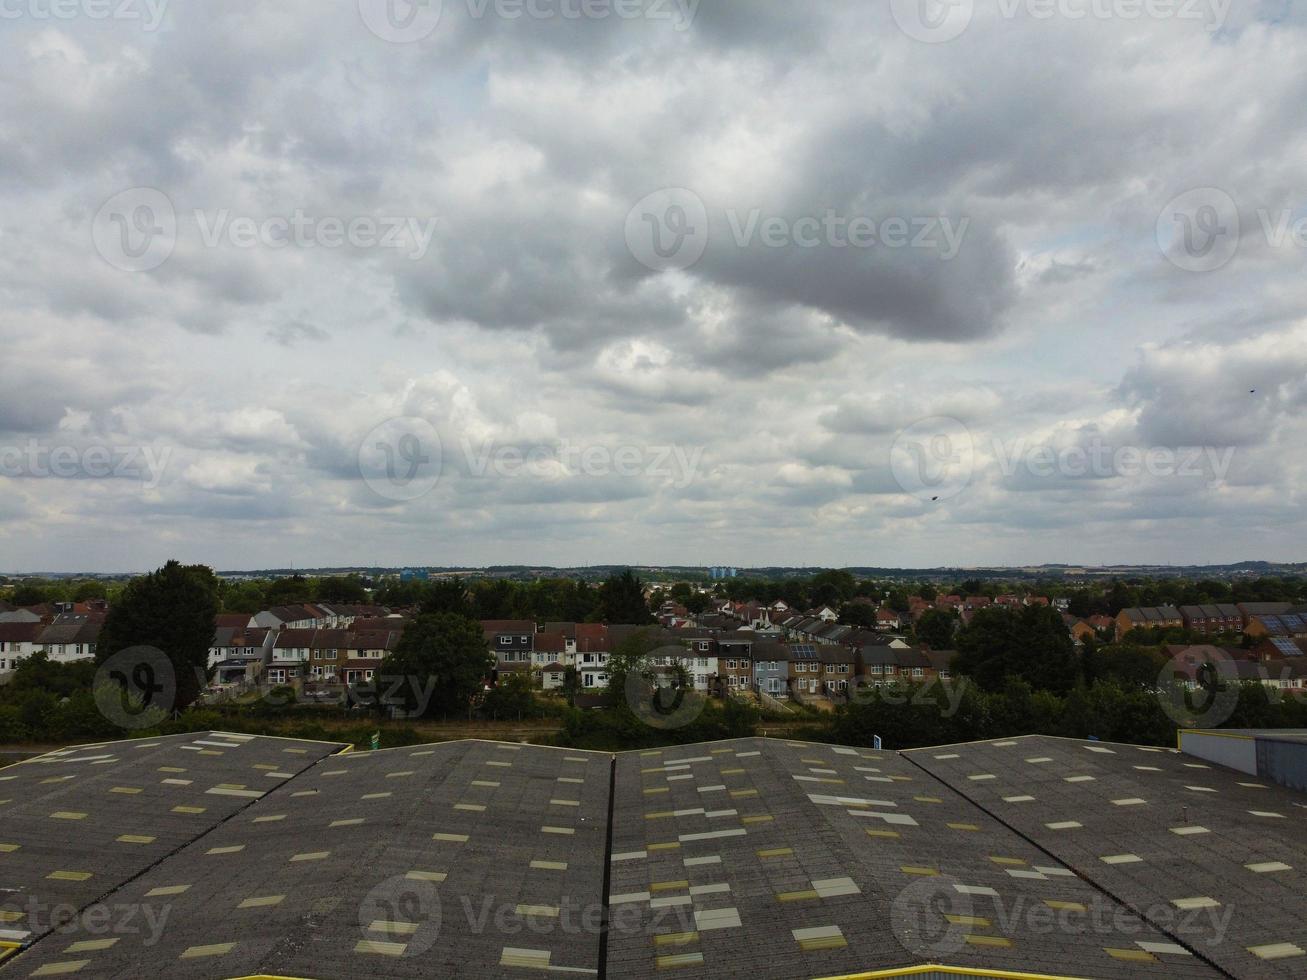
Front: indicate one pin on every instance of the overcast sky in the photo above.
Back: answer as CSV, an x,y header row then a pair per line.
x,y
332,282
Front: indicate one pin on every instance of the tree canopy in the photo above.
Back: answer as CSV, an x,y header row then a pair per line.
x,y
171,609
1031,644
443,661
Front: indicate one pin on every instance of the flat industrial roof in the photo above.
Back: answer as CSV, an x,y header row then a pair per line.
x,y
751,857
1216,857
79,823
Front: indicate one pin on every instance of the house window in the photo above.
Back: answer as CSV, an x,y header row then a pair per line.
x,y
703,645
916,672
877,669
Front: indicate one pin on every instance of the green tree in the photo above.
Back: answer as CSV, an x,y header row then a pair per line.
x,y
447,596
935,628
171,609
344,589
29,595
89,590
1032,645
513,697
571,685
621,600
288,591
858,614
444,654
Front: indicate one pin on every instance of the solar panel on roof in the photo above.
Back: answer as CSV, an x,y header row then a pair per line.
x,y
1286,646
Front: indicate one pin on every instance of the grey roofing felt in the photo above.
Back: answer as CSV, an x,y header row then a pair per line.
x,y
78,823
753,857
1217,856
768,858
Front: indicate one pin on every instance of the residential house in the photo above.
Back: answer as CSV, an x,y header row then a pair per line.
x,y
880,665
915,667
1287,624
941,663
303,616
1101,623
1148,617
512,641
771,667
329,650
551,649
911,665
552,676
1080,629
1280,648
240,654
805,670
735,670
18,641
290,655
838,668
1250,609
592,652
888,619
72,636
1281,675
363,652
1214,618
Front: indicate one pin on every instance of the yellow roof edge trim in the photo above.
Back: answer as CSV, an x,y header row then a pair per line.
x,y
1212,731
267,976
963,971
